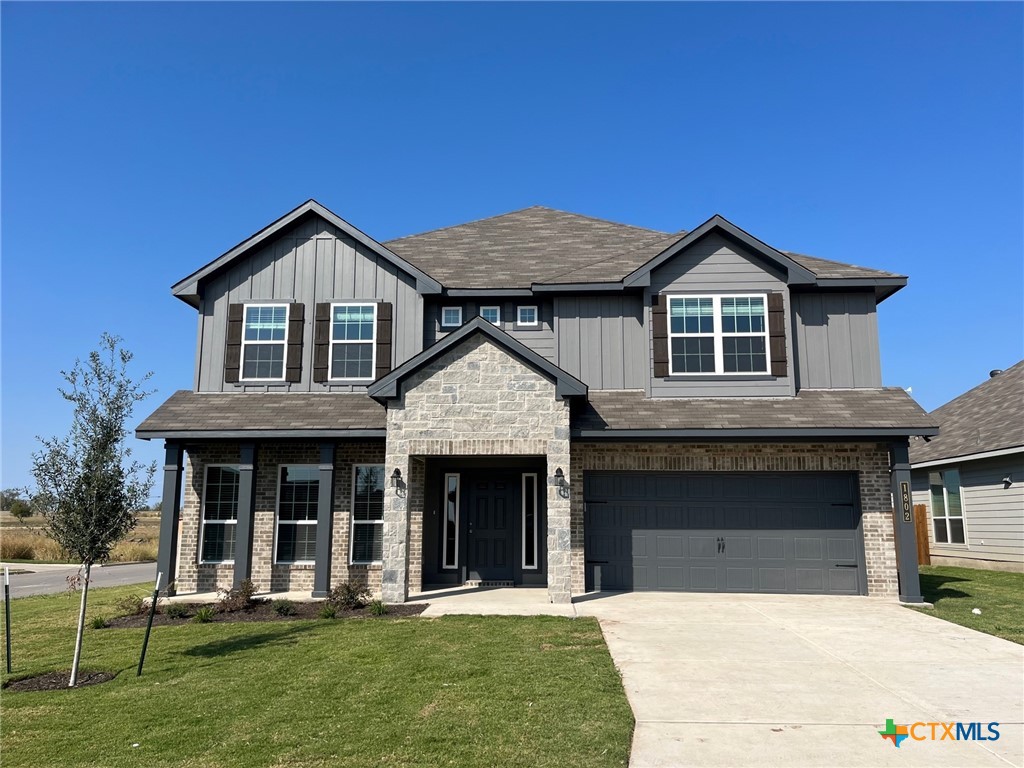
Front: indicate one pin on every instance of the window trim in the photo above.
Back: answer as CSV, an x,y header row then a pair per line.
x,y
497,308
536,315
284,342
451,325
536,523
945,516
203,521
353,522
277,514
331,342
444,535
718,334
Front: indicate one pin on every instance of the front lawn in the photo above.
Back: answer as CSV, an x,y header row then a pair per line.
x,y
956,592
454,691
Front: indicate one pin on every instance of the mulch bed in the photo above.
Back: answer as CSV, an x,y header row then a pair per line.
x,y
57,681
260,612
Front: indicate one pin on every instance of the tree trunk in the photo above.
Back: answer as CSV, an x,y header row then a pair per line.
x,y
81,627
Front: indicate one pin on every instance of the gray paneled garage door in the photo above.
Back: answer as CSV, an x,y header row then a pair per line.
x,y
724,532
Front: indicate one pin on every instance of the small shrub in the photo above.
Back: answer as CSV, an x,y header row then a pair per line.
x,y
378,607
130,605
348,597
284,607
176,610
21,509
98,622
328,611
238,598
204,615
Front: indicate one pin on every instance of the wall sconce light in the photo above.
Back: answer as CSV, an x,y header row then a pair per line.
x,y
561,483
396,478
1007,481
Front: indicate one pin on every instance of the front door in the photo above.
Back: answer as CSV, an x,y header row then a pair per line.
x,y
491,501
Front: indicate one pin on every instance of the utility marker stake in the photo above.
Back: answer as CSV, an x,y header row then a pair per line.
x,y
149,624
7,613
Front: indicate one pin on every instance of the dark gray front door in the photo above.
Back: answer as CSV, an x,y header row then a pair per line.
x,y
491,503
724,532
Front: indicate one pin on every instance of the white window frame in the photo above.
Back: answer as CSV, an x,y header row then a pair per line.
x,y
444,323
444,522
283,343
718,334
353,522
277,513
496,308
536,523
536,315
945,516
372,342
202,517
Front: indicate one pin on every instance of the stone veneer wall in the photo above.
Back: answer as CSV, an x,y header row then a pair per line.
x,y
267,577
475,400
869,460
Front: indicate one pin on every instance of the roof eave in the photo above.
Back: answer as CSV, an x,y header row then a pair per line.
x,y
789,433
252,434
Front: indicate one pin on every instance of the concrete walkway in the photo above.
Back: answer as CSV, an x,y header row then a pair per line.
x,y
759,680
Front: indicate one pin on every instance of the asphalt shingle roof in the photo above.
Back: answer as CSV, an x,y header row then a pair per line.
x,y
187,411
543,245
887,408
989,417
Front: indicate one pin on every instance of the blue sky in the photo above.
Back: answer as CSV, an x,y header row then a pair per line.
x,y
140,141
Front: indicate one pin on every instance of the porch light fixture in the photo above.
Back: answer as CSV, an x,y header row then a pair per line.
x,y
396,478
1007,481
560,481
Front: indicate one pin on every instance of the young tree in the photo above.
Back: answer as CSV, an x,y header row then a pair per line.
x,y
89,486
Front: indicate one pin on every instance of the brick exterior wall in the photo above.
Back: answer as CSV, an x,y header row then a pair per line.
x,y
869,460
475,400
266,575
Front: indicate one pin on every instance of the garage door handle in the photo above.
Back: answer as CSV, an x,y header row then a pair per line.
x,y
846,565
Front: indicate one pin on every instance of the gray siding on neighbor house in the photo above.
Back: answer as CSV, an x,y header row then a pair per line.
x,y
601,340
836,340
540,338
993,513
715,265
311,263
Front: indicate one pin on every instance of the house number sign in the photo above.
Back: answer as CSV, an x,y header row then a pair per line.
x,y
908,515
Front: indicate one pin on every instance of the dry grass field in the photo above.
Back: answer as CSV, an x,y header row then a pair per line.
x,y
25,540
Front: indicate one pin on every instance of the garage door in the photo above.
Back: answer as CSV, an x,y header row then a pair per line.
x,y
724,532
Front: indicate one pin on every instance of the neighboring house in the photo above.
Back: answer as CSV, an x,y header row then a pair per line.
x,y
538,398
971,477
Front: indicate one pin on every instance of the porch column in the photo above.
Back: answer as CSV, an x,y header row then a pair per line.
x,y
170,512
246,508
395,568
559,498
906,535
324,522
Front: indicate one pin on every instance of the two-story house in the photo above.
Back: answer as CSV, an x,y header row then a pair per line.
x,y
538,398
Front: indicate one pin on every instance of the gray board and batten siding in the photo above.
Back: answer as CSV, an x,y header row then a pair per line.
x,y
715,265
311,263
837,340
993,511
601,340
540,338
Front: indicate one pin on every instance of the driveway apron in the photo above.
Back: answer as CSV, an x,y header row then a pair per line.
x,y
756,680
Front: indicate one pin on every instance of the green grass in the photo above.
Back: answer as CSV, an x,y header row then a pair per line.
x,y
955,592
455,691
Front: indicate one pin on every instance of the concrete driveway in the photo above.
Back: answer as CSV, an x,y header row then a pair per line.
x,y
753,680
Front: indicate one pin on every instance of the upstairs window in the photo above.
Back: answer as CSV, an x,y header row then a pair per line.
x,y
947,507
352,341
718,334
528,316
264,338
451,317
491,314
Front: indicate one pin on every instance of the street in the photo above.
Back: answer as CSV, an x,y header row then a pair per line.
x,y
38,579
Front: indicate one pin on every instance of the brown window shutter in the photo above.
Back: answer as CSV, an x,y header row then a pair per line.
x,y
777,333
659,320
233,346
293,358
321,342
384,334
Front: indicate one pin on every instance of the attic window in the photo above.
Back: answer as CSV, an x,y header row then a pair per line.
x,y
527,316
263,342
451,317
